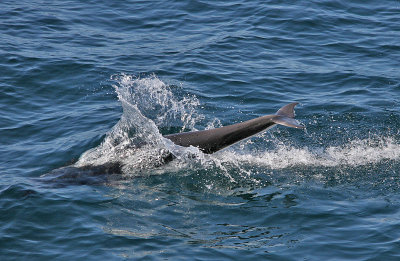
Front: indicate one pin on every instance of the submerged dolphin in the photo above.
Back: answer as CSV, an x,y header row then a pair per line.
x,y
210,141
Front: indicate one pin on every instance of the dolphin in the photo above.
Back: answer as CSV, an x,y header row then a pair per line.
x,y
213,140
207,141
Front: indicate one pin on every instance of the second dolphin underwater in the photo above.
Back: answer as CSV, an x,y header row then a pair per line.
x,y
207,141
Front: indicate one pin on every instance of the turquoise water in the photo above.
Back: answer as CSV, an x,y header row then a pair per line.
x,y
92,82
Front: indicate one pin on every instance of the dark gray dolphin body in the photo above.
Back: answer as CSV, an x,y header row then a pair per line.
x,y
210,141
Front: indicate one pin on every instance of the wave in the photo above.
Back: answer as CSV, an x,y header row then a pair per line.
x,y
357,152
150,105
135,141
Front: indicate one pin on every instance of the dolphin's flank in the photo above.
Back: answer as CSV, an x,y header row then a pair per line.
x,y
210,141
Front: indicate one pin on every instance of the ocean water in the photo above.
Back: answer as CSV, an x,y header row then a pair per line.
x,y
94,82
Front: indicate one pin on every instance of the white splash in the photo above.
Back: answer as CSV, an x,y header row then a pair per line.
x,y
355,153
135,140
149,104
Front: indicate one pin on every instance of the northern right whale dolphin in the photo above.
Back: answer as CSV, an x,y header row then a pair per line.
x,y
210,141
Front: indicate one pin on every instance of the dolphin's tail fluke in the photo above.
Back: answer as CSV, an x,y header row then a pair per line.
x,y
285,116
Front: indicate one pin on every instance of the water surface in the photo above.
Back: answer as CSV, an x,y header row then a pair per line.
x,y
87,83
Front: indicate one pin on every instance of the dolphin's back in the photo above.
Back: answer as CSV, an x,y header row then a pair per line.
x,y
210,141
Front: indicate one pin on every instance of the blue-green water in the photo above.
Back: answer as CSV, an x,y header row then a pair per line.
x,y
87,82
